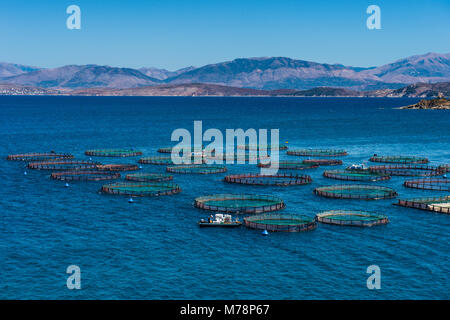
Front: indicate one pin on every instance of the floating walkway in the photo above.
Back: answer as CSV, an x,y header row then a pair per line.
x,y
141,189
281,222
317,153
118,167
269,180
261,146
39,156
398,159
291,165
355,175
148,177
352,218
113,153
63,165
363,192
85,175
416,170
197,169
429,184
438,204
240,203
323,162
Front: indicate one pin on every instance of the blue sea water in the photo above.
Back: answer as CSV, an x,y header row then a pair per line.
x,y
153,249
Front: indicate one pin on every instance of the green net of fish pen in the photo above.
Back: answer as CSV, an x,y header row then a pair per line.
x,y
269,180
233,157
240,203
398,159
141,189
262,146
167,160
323,162
290,165
39,156
65,165
148,177
364,192
113,153
197,169
169,149
85,175
437,204
317,153
429,184
157,160
352,218
118,167
355,175
281,222
416,170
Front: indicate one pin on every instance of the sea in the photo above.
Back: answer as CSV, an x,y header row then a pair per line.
x,y
154,249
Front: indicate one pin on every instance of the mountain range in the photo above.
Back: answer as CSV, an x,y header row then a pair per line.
x,y
270,73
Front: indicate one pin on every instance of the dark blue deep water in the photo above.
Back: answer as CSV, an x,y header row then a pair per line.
x,y
153,249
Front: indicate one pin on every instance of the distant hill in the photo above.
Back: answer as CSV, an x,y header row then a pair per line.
x,y
12,69
270,73
418,90
192,89
163,74
421,90
85,76
430,67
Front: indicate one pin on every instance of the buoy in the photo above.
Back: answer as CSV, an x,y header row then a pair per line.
x,y
445,176
130,200
25,173
140,167
90,158
66,185
265,233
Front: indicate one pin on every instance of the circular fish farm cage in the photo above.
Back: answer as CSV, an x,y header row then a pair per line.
x,y
240,203
281,222
165,150
323,162
291,165
39,156
113,153
157,160
416,170
234,157
85,175
269,180
352,218
197,169
66,165
429,184
444,167
118,167
261,146
355,175
398,159
141,189
148,177
317,153
440,204
363,192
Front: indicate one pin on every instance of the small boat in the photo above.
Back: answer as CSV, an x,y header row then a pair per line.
x,y
220,220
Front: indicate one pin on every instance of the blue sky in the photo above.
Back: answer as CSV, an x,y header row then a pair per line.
x,y
177,33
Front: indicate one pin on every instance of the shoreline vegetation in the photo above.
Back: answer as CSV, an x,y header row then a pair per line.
x,y
418,90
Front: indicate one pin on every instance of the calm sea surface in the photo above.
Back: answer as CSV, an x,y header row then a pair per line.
x,y
153,249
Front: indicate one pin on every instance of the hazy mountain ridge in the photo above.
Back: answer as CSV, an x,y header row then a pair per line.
x,y
270,73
